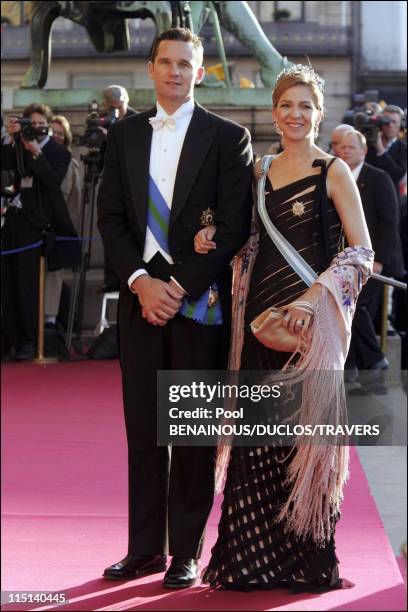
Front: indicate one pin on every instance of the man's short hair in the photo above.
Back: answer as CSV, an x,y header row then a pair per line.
x,y
360,137
183,34
116,93
393,108
342,126
41,109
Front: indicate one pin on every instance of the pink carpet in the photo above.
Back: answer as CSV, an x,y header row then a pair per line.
x,y
64,507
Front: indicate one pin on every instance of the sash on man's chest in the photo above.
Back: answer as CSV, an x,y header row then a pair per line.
x,y
158,221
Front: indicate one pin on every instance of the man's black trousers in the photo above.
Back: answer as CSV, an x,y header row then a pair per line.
x,y
20,280
170,492
364,348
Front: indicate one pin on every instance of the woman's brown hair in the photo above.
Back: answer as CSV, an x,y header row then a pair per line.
x,y
299,75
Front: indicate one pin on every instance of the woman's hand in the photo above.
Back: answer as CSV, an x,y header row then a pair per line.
x,y
297,320
203,242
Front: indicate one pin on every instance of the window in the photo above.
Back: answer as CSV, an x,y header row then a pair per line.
x,y
16,13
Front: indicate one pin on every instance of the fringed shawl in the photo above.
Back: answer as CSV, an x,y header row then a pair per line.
x,y
315,474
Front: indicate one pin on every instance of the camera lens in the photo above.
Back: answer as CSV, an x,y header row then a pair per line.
x,y
29,132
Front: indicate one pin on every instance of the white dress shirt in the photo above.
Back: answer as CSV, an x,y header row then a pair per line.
x,y
165,151
391,142
357,170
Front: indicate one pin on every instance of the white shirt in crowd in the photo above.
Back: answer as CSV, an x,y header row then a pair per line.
x,y
357,170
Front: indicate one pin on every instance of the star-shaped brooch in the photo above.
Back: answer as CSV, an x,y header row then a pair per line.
x,y
298,209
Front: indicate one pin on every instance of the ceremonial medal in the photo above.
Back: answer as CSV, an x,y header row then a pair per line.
x,y
208,218
298,209
212,297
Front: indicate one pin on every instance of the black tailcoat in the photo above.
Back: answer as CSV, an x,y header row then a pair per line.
x,y
214,171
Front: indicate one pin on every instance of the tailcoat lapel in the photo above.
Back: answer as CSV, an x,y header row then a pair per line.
x,y
199,137
138,140
362,179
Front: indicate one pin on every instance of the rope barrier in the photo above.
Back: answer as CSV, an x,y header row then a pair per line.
x,y
35,245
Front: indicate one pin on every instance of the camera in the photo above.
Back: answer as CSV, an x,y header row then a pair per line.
x,y
366,115
28,131
93,137
369,124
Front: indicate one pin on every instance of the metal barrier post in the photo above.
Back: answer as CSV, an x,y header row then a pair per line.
x,y
41,359
384,320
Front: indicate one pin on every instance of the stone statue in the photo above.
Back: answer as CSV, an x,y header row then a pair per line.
x,y
107,28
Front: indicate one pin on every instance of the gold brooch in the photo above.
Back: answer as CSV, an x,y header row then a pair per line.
x,y
212,297
298,208
207,217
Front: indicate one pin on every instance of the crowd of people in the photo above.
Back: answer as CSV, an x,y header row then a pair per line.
x,y
34,208
175,207
41,199
379,169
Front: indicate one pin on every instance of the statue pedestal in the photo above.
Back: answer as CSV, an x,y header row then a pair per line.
x,y
249,107
143,98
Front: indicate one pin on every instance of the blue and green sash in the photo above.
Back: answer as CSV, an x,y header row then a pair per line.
x,y
158,220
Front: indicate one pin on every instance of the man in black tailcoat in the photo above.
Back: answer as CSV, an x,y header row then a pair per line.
x,y
167,172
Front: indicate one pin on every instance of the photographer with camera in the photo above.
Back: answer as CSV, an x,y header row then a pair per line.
x,y
36,213
115,97
387,151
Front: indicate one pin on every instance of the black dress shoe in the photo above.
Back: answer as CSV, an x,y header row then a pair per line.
x,y
9,356
383,364
134,566
350,374
181,574
368,390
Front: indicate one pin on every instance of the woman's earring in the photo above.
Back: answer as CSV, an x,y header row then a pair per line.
x,y
316,130
277,128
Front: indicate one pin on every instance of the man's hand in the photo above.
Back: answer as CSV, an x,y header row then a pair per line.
x,y
377,267
31,146
13,126
203,240
181,293
159,300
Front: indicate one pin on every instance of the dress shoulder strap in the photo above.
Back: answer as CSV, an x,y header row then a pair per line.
x,y
266,164
330,163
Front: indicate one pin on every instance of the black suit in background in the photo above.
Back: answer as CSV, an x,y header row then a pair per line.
x,y
214,171
381,211
393,161
43,208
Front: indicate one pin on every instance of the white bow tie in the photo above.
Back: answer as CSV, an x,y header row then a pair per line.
x,y
158,122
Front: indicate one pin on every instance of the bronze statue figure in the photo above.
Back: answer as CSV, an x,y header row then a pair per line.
x,y
108,31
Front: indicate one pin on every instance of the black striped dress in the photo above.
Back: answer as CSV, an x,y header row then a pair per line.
x,y
253,550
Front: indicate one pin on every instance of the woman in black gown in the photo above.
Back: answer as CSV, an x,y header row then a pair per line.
x,y
310,196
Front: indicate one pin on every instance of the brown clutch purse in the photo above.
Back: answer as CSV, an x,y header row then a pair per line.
x,y
268,329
